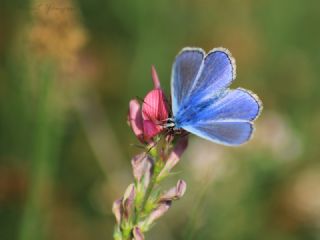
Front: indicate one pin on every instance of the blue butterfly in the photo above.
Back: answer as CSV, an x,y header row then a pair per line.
x,y
202,102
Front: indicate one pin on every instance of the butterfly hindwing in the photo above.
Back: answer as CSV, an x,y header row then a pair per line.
x,y
225,120
227,133
237,104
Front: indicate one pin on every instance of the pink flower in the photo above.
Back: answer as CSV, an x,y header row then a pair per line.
x,y
174,157
146,122
175,193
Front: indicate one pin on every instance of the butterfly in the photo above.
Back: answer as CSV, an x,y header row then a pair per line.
x,y
202,102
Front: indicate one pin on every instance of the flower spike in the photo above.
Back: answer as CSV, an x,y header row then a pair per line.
x,y
143,201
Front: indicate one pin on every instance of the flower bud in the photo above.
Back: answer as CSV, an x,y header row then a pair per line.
x,y
128,201
117,210
176,192
161,209
137,234
141,165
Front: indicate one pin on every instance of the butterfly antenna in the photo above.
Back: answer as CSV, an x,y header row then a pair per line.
x,y
184,134
137,145
169,105
142,101
139,99
151,147
155,143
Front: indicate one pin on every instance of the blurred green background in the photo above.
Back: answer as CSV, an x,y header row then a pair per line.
x,y
67,72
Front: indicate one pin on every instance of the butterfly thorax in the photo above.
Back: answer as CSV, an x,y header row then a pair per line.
x,y
170,123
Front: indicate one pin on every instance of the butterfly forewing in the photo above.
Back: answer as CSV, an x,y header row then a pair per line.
x,y
184,72
217,73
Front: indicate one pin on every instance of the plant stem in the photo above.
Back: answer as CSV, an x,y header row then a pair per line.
x,y
146,196
153,181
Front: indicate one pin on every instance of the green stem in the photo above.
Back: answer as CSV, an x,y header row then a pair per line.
x,y
148,192
142,206
153,181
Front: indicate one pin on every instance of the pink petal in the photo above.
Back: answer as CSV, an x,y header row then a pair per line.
x,y
155,78
128,201
162,208
137,234
174,156
180,147
150,129
176,153
117,210
135,119
141,166
176,192
154,107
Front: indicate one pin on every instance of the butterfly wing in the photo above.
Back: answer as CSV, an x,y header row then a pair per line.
x,y
202,102
196,76
216,73
237,104
184,71
226,133
227,120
